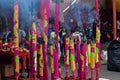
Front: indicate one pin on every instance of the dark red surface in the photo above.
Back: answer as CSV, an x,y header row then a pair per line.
x,y
8,57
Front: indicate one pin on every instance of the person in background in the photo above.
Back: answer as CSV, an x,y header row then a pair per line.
x,y
62,33
22,38
7,35
52,36
118,28
104,31
105,25
109,32
50,30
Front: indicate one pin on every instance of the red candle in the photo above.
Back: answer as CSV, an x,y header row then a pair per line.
x,y
67,55
57,17
98,41
41,63
16,39
33,52
72,59
45,9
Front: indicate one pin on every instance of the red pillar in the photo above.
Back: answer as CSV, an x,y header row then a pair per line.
x,y
114,19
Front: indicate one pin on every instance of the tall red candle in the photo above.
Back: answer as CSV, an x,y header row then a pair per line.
x,y
67,55
57,17
16,39
72,58
45,9
33,51
97,41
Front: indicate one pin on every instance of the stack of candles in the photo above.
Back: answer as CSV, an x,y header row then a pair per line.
x,y
85,54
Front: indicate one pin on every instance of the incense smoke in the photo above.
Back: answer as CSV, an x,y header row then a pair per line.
x,y
27,9
82,13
